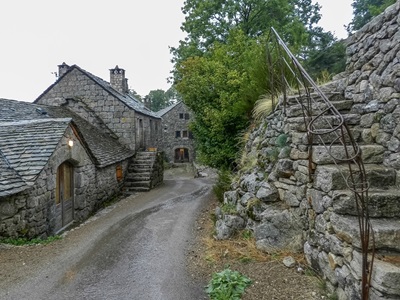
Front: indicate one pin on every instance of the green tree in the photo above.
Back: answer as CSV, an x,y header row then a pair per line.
x,y
365,10
160,99
221,68
221,88
209,21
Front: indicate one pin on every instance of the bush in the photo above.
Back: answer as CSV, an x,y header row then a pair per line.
x,y
227,285
223,184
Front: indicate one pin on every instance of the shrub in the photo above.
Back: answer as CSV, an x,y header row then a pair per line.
x,y
227,285
223,184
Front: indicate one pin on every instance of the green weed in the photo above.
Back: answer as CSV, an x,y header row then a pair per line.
x,y
227,285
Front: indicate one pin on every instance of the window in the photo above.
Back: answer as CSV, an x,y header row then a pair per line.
x,y
181,116
185,134
186,116
177,134
190,135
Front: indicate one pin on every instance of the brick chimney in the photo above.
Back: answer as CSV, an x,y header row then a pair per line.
x,y
62,69
118,80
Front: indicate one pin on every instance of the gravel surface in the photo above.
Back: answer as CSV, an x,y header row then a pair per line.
x,y
271,280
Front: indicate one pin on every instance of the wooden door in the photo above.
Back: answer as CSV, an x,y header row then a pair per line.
x,y
64,195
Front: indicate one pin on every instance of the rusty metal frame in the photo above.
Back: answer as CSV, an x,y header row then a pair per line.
x,y
321,119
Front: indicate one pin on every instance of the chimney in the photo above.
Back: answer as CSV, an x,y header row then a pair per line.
x,y
62,69
118,80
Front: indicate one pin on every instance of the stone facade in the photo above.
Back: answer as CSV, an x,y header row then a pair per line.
x,y
293,205
33,148
107,106
177,141
33,211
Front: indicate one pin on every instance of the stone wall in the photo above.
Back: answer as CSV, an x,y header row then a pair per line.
x,y
293,205
31,213
171,123
91,101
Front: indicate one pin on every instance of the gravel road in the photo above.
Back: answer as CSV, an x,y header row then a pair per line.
x,y
134,249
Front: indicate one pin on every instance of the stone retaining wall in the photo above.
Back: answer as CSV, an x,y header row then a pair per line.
x,y
287,209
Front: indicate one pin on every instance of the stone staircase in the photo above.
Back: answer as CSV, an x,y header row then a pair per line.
x,y
337,218
144,172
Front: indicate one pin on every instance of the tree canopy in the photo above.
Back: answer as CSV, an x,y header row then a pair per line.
x,y
221,68
365,10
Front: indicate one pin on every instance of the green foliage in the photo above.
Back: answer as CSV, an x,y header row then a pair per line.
x,y
330,59
229,209
26,241
365,10
160,99
227,285
247,234
223,184
221,68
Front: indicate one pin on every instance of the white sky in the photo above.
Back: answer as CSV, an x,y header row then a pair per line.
x,y
38,35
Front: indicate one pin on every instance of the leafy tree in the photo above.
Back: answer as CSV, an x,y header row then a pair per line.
x,y
221,68
209,21
365,10
133,93
160,99
221,88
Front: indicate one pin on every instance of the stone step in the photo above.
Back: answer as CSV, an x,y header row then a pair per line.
x,y
385,274
295,99
135,184
343,106
382,203
143,161
134,167
300,138
133,190
386,231
137,177
322,124
333,177
371,154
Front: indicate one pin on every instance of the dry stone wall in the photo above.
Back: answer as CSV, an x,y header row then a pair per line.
x,y
291,204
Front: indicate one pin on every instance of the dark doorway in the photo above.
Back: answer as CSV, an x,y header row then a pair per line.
x,y
181,155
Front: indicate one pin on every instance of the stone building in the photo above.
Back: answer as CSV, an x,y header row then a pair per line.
x,y
55,168
108,106
177,140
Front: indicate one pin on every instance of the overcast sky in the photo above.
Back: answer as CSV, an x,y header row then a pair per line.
x,y
38,35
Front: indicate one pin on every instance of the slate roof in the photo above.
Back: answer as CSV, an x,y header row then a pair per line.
x,y
103,149
10,181
29,134
26,147
163,111
129,100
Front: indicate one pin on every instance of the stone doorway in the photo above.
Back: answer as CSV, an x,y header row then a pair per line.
x,y
181,155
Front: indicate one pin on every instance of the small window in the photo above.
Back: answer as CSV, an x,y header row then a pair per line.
x,y
187,116
177,134
185,134
190,135
119,173
181,116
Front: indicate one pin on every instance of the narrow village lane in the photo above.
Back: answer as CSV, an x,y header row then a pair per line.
x,y
132,250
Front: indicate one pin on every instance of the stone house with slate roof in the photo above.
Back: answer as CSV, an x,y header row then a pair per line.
x,y
108,106
55,168
177,140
